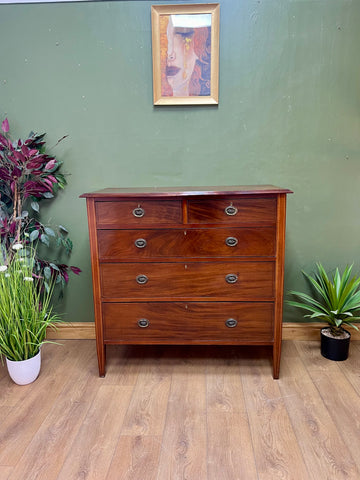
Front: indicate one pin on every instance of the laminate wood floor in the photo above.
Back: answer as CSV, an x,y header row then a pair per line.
x,y
183,413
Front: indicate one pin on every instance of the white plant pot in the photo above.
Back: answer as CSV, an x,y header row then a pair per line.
x,y
24,372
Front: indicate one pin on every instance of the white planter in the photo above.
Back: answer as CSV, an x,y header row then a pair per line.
x,y
24,371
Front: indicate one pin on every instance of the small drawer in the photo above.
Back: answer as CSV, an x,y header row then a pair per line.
x,y
232,210
192,322
191,243
137,212
224,280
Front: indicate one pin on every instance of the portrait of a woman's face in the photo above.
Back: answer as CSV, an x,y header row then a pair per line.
x,y
181,58
187,51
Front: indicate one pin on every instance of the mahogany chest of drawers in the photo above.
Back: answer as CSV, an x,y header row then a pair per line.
x,y
188,266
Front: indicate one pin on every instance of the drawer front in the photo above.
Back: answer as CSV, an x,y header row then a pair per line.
x,y
195,243
239,281
232,210
138,212
179,322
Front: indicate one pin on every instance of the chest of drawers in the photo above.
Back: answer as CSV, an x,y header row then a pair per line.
x,y
188,266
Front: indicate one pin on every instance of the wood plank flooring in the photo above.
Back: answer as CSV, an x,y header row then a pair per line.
x,y
183,413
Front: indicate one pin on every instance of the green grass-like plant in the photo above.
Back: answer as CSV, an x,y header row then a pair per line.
x,y
336,298
25,308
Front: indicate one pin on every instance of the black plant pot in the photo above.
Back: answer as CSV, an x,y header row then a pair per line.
x,y
335,348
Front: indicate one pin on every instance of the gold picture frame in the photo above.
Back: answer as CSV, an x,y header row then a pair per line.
x,y
185,52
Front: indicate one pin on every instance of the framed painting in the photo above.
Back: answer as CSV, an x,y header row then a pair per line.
x,y
185,50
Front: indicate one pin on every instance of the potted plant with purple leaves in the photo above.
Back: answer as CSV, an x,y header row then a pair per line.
x,y
28,177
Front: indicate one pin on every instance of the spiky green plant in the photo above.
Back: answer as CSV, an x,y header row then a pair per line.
x,y
336,298
25,308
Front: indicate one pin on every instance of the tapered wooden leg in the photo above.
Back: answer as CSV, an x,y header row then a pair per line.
x,y
276,360
101,354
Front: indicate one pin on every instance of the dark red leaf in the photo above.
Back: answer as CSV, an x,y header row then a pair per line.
x,y
4,141
50,165
33,152
5,126
75,270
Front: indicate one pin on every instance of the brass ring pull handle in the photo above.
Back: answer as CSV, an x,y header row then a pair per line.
x,y
142,279
143,323
231,322
231,241
231,210
140,243
231,278
138,212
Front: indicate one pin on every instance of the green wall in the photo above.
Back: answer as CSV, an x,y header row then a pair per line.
x,y
288,115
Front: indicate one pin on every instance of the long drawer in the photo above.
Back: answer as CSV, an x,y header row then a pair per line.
x,y
190,322
207,242
230,280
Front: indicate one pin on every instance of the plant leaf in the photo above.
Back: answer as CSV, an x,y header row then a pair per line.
x,y
47,273
34,235
5,126
45,239
48,195
50,231
35,206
